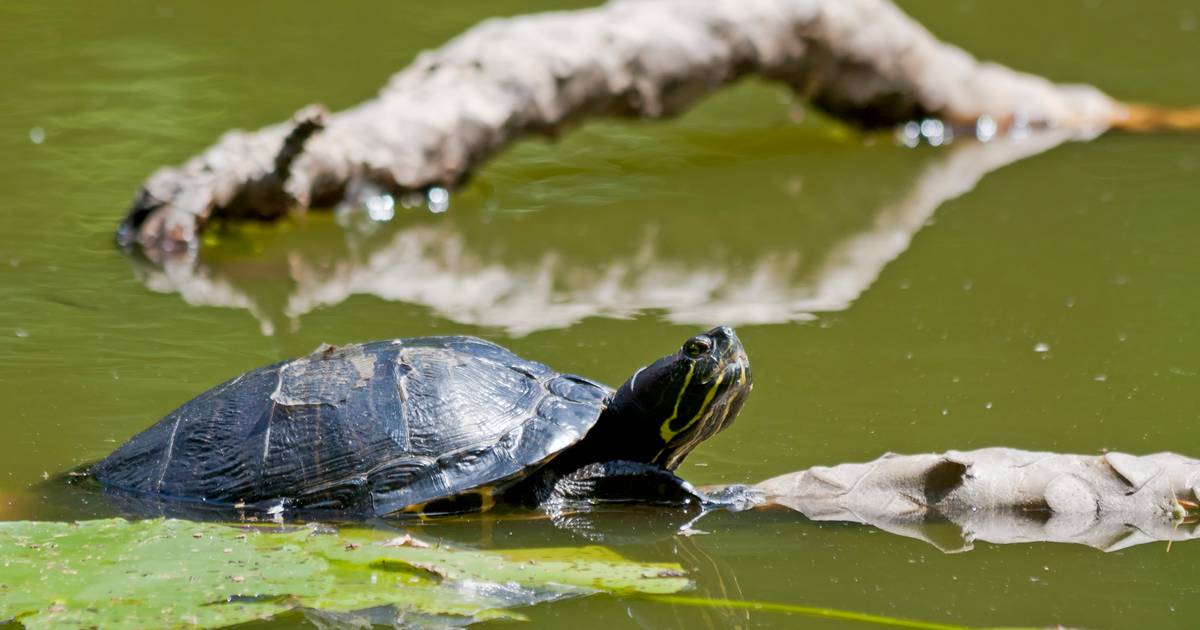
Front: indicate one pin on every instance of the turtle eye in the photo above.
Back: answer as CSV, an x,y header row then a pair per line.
x,y
697,346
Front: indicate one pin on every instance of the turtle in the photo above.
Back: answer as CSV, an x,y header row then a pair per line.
x,y
434,425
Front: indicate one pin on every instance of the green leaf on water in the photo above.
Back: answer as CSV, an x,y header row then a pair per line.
x,y
121,574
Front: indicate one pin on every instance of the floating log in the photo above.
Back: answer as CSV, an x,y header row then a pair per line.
x,y
864,61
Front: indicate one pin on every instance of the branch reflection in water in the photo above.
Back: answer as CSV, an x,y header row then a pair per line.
x,y
434,264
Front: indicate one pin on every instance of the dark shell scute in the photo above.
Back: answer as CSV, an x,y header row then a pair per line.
x,y
579,389
326,377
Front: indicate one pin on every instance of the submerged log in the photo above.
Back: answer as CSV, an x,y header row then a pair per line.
x,y
1004,495
864,61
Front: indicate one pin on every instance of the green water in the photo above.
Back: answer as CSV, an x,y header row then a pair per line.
x,y
604,250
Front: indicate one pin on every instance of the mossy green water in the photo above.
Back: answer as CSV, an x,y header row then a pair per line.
x,y
1052,306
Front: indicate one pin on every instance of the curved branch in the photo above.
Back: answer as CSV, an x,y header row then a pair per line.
x,y
452,108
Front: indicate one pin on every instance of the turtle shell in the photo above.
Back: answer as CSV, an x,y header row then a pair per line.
x,y
374,428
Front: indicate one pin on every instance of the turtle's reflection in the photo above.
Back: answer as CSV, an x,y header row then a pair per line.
x,y
439,265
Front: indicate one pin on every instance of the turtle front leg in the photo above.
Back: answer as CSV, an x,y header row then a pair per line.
x,y
638,482
575,501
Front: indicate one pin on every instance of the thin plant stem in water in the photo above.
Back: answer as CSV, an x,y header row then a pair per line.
x,y
811,611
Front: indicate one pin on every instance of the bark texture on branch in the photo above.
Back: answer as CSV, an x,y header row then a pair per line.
x,y
1004,495
452,108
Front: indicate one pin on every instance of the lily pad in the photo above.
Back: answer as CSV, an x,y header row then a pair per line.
x,y
168,573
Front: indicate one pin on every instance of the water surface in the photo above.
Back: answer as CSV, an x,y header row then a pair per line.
x,y
886,305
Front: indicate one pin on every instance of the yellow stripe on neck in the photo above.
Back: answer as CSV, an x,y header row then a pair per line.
x,y
666,431
666,426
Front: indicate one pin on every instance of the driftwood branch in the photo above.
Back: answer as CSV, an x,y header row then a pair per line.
x,y
1004,495
861,60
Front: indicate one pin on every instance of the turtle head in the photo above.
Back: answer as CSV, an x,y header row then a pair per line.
x,y
668,407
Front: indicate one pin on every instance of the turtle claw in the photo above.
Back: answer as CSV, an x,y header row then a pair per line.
x,y
734,497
